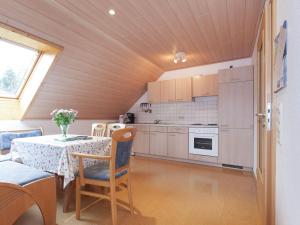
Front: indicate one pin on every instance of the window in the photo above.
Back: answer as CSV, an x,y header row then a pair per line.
x,y
16,64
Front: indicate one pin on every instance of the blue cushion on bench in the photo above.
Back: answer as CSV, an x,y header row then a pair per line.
x,y
17,173
7,137
100,172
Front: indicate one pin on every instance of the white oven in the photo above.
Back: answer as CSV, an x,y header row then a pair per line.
x,y
203,141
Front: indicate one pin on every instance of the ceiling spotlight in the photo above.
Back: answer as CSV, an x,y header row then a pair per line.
x,y
112,12
180,57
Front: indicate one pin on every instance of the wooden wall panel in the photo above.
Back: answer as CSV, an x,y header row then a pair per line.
x,y
96,75
107,61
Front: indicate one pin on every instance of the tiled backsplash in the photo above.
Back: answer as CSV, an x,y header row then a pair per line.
x,y
202,110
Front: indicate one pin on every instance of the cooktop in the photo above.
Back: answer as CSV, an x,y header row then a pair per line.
x,y
205,124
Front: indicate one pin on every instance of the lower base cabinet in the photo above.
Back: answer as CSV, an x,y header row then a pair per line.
x,y
178,145
236,147
158,143
141,142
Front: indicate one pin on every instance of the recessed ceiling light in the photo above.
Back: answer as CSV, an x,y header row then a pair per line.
x,y
112,12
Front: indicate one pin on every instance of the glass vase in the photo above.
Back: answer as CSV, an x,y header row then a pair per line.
x,y
64,130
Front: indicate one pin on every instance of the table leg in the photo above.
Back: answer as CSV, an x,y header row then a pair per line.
x,y
69,192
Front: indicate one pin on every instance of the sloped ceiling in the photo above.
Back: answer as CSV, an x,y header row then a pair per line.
x,y
107,61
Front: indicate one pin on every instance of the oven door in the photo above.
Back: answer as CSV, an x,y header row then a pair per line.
x,y
203,144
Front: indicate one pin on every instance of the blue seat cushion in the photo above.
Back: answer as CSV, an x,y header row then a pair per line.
x,y
7,137
100,172
17,173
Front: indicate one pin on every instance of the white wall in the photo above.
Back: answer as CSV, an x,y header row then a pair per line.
x,y
288,152
78,127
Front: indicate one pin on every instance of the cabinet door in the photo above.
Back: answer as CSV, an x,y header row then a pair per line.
x,y
199,87
236,105
158,143
178,145
236,147
141,142
183,89
154,92
205,85
168,91
212,85
236,74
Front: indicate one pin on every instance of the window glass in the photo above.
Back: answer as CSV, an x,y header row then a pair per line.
x,y
16,64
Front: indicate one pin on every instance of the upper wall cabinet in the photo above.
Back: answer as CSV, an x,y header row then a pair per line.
x,y
154,94
205,85
183,89
168,90
236,74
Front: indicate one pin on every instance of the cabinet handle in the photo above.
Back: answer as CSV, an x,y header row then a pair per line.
x,y
224,125
224,130
173,135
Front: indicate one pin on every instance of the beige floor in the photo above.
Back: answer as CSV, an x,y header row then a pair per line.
x,y
168,193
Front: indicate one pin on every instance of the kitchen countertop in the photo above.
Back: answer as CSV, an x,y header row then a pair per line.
x,y
173,125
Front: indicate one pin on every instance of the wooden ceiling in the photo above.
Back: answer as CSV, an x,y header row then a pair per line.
x,y
107,60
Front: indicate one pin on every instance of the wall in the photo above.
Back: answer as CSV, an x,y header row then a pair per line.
x,y
288,151
202,110
78,127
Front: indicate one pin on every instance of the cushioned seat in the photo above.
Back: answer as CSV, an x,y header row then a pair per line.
x,y
100,172
5,157
7,137
16,173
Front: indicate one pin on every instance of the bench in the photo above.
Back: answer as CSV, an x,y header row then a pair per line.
x,y
21,187
6,138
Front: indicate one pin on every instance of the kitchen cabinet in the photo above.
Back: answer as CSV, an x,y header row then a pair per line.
x,y
236,74
236,117
183,89
154,94
236,147
205,85
178,145
236,105
168,91
141,143
158,143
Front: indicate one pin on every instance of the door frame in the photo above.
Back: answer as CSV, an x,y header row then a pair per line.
x,y
266,182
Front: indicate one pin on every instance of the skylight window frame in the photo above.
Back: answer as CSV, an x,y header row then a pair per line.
x,y
29,72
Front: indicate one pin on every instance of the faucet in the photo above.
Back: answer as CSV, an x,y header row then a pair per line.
x,y
157,121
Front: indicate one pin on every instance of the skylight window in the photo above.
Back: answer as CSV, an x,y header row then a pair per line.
x,y
16,64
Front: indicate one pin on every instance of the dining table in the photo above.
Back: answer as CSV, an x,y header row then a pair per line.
x,y
53,154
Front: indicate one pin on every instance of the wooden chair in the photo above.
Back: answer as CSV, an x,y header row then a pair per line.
x,y
114,174
98,129
111,127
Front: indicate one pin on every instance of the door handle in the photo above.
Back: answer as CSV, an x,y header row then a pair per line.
x,y
261,115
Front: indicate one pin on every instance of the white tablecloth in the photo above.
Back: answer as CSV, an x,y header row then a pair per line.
x,y
47,154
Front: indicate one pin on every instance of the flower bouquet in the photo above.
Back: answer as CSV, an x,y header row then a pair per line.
x,y
63,118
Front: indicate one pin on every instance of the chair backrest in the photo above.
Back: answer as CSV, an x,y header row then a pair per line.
x,y
112,127
6,137
98,129
122,140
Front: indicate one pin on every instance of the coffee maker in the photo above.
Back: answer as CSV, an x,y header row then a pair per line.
x,y
129,118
